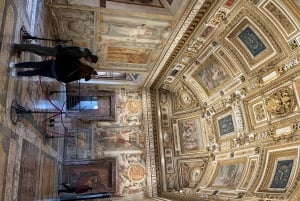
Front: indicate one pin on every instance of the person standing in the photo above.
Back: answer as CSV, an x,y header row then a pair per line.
x,y
64,69
59,50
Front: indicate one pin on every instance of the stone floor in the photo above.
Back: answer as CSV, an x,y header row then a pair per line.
x,y
30,149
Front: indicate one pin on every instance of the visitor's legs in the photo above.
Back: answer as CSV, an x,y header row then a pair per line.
x,y
37,49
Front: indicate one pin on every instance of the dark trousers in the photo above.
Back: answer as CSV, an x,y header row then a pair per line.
x,y
42,68
69,189
37,49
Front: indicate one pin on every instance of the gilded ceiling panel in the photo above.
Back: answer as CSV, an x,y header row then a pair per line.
x,y
279,173
211,74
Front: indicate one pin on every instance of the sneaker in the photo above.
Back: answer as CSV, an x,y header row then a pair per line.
x,y
11,64
13,74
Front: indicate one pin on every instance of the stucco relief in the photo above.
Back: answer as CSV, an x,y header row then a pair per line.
x,y
184,99
191,172
281,103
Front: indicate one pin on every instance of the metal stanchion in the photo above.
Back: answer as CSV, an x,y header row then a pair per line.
x,y
18,112
27,38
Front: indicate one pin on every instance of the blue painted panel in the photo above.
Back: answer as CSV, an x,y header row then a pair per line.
x,y
282,174
226,125
251,41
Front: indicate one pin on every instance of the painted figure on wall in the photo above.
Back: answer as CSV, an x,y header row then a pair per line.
x,y
120,138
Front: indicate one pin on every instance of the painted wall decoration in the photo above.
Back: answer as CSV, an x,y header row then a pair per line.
x,y
229,175
124,139
190,135
211,75
226,125
282,174
131,173
127,55
120,139
153,3
79,146
99,174
131,31
252,41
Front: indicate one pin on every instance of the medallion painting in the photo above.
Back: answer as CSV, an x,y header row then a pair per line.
x,y
190,135
282,174
212,75
252,41
229,175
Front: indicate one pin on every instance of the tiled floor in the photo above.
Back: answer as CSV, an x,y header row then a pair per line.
x,y
30,162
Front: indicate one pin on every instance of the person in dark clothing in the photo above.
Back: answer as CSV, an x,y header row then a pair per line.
x,y
63,68
75,189
61,50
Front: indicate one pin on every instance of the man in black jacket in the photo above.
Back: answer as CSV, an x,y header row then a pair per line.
x,y
64,68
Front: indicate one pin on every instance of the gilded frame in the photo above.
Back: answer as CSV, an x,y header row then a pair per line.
x,y
190,135
274,158
225,124
212,74
225,169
